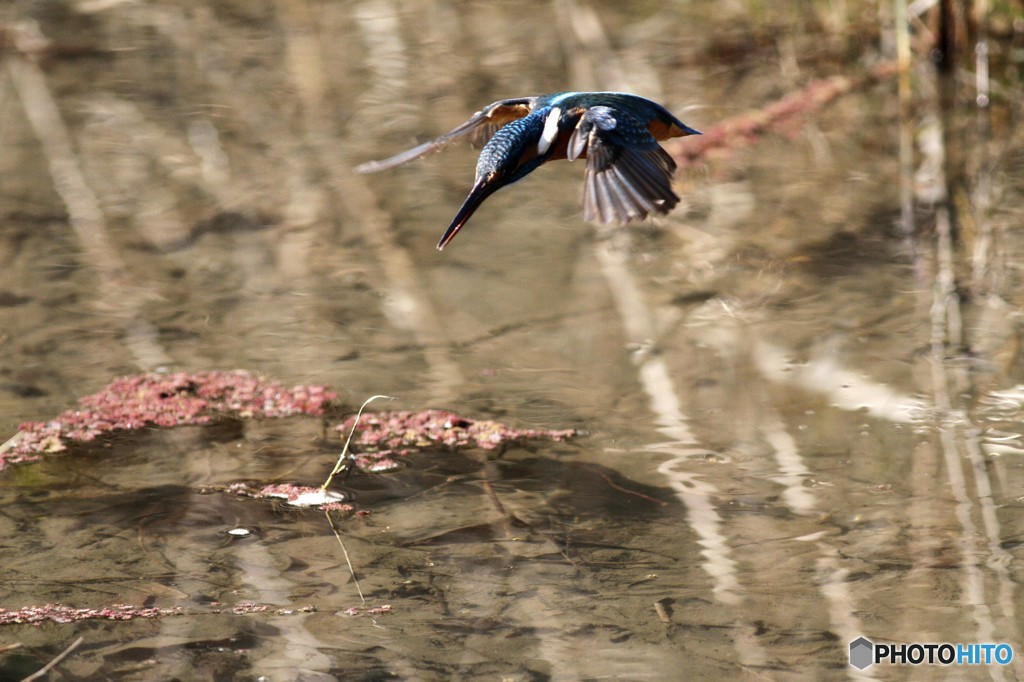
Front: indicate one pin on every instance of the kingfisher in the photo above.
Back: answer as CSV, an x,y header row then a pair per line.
x,y
628,175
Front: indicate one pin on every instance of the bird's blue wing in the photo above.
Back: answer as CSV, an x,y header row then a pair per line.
x,y
629,175
478,130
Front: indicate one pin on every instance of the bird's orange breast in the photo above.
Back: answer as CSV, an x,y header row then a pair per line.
x,y
663,131
560,148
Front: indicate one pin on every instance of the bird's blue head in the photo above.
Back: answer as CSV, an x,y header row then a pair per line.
x,y
510,155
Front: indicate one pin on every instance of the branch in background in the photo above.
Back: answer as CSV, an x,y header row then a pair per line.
x,y
739,132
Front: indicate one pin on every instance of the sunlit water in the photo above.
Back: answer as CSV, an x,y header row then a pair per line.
x,y
803,422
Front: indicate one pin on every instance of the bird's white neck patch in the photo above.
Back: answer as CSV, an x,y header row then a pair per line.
x,y
550,131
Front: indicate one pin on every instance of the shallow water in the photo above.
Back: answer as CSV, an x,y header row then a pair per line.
x,y
803,414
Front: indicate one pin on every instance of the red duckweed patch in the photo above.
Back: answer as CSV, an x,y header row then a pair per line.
x,y
58,613
295,495
164,400
383,435
368,610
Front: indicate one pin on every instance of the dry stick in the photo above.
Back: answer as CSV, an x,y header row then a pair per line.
x,y
348,561
901,27
491,472
614,486
11,442
343,458
49,666
343,463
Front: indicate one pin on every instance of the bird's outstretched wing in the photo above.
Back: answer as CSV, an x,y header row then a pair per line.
x,y
478,130
629,175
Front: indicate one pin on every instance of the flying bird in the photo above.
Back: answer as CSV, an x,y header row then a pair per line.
x,y
628,174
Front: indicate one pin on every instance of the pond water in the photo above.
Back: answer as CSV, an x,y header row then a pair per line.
x,y
801,391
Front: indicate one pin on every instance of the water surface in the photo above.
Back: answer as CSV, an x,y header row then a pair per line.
x,y
802,396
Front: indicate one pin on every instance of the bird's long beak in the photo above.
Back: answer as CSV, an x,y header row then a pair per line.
x,y
481,190
687,130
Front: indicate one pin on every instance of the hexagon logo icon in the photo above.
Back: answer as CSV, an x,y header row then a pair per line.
x,y
861,653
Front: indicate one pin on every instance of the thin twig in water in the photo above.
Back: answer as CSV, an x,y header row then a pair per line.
x,y
11,442
614,486
344,462
348,561
49,666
